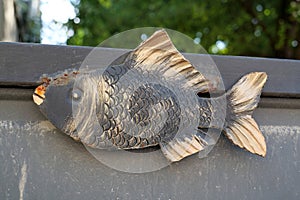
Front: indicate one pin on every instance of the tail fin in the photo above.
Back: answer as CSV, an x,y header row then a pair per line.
x,y
242,99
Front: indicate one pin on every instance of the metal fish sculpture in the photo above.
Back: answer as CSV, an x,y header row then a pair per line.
x,y
157,105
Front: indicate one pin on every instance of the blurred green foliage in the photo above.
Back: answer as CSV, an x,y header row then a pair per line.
x,y
246,27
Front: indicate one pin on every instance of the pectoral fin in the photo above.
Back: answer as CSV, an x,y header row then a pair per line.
x,y
178,149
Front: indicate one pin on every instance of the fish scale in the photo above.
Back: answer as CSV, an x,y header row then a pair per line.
x,y
205,112
141,103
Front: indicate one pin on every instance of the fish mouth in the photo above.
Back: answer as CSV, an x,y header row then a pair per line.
x,y
39,94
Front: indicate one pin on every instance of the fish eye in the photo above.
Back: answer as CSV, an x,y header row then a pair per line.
x,y
76,94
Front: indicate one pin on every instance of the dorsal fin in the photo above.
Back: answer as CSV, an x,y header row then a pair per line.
x,y
159,51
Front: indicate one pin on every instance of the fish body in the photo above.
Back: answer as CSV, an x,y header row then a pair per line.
x,y
149,97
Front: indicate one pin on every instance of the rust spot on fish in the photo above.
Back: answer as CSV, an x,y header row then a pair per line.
x,y
40,90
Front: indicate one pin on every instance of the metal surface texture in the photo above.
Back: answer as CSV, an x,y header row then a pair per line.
x,y
39,162
33,60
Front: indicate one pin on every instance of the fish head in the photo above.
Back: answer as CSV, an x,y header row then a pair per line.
x,y
55,97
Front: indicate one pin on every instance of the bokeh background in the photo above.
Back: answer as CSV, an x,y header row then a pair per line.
x,y
262,28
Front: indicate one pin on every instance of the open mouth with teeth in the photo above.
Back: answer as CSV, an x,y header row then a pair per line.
x,y
39,94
